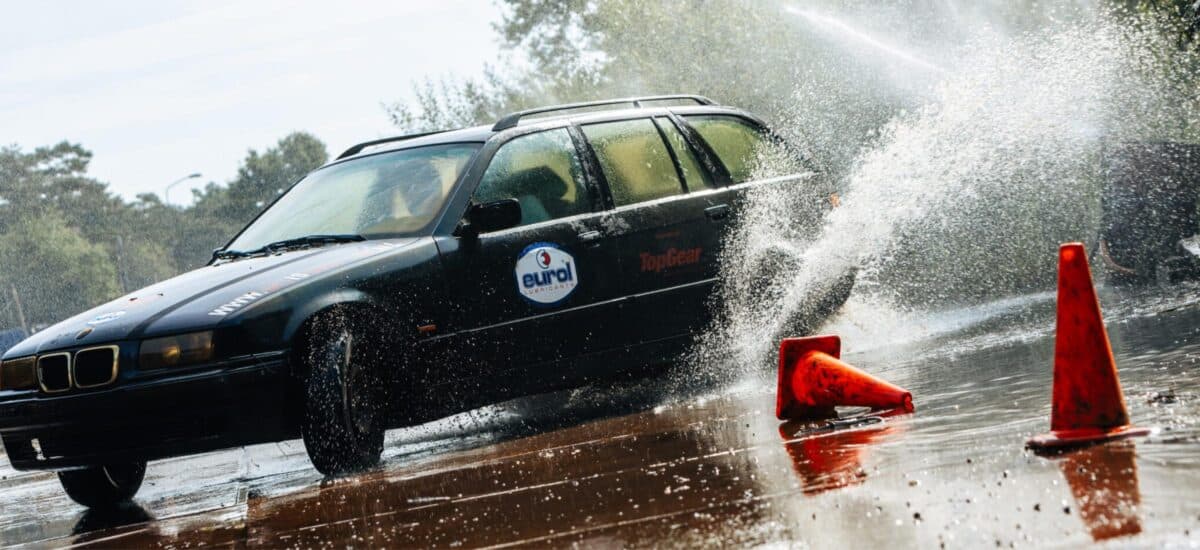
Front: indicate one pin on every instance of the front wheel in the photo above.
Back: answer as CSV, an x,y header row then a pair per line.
x,y
344,410
103,486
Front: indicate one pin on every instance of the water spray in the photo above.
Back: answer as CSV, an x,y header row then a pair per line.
x,y
844,30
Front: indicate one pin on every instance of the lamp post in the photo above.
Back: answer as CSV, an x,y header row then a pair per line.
x,y
167,192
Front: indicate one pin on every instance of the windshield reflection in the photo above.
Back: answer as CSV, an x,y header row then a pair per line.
x,y
390,194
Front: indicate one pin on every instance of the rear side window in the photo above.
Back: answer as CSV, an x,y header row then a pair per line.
x,y
695,177
634,160
542,171
736,142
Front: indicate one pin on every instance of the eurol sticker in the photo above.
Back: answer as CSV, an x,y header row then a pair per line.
x,y
546,274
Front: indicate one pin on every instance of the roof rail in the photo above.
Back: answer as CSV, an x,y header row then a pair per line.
x,y
358,148
511,120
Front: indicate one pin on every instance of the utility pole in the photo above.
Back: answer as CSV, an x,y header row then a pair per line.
x,y
20,312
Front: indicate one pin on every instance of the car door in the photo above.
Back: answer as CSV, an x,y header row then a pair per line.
x,y
667,236
533,294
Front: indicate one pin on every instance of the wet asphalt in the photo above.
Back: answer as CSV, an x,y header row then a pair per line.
x,y
626,466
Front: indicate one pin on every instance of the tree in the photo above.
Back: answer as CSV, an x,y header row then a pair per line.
x,y
838,76
67,243
788,62
218,212
262,178
32,183
58,231
1184,15
756,55
54,269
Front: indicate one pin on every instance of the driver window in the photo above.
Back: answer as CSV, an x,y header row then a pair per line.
x,y
542,171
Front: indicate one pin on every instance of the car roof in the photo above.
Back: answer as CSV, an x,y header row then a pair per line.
x,y
541,118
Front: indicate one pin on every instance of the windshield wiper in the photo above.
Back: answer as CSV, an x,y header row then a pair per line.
x,y
286,244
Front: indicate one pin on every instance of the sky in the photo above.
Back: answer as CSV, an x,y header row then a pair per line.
x,y
159,89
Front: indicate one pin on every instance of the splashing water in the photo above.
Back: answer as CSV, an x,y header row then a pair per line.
x,y
965,198
844,30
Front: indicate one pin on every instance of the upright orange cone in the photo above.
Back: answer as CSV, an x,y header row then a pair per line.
x,y
1088,405
812,381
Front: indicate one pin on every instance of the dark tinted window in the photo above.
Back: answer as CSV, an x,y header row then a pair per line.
x,y
695,176
743,148
634,160
542,171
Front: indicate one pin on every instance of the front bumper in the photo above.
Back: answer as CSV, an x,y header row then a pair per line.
x,y
146,420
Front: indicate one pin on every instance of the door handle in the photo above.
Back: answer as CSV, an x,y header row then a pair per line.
x,y
590,237
717,213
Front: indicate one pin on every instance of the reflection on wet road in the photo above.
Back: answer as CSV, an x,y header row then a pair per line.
x,y
1104,482
625,466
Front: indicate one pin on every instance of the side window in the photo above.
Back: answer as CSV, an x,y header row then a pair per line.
x,y
743,148
695,176
542,171
634,160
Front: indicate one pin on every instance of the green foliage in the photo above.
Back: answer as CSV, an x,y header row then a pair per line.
x,y
262,177
738,52
1184,16
55,270
219,212
578,50
759,55
67,243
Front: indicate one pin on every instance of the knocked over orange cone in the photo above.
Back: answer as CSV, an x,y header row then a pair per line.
x,y
812,381
1088,406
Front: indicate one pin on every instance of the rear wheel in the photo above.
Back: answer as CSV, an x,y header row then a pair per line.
x,y
774,272
345,407
821,305
103,486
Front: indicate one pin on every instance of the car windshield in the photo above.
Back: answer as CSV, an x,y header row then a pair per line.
x,y
389,194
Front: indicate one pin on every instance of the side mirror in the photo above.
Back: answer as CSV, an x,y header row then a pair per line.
x,y
491,216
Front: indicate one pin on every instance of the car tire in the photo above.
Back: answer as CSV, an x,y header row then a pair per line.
x,y
344,405
773,270
103,486
822,305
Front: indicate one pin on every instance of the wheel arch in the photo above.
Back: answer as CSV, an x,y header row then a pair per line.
x,y
358,303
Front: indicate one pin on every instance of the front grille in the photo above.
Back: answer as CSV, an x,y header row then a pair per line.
x,y
95,367
54,372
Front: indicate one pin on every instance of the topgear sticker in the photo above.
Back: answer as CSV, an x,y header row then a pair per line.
x,y
546,274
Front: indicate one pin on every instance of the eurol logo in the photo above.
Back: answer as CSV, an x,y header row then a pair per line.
x,y
546,274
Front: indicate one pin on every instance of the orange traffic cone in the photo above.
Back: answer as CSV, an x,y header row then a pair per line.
x,y
812,381
1088,406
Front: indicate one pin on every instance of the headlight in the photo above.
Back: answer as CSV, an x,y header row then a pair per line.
x,y
176,351
18,374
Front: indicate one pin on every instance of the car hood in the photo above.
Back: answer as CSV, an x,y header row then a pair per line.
x,y
201,299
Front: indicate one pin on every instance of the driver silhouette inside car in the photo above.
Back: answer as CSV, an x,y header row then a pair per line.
x,y
404,198
540,191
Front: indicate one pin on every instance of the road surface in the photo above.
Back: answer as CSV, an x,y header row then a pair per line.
x,y
630,465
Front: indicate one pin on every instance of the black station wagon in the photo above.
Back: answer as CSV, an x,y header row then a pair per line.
x,y
411,278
